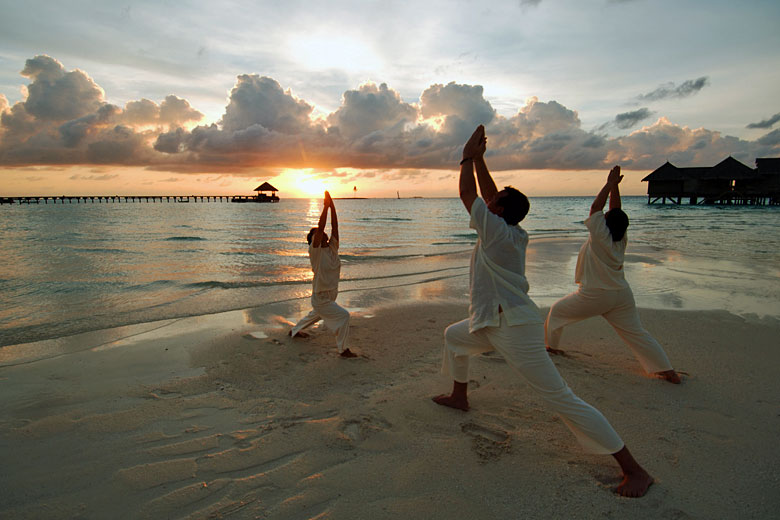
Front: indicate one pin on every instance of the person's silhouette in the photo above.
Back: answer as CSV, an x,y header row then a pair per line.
x,y
603,289
502,317
326,265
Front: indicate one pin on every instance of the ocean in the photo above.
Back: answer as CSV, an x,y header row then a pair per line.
x,y
72,268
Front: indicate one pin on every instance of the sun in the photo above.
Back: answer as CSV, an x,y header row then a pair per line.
x,y
306,184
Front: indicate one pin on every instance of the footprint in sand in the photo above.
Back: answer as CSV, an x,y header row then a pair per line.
x,y
363,427
488,442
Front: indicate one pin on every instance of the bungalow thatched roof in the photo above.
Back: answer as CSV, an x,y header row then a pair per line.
x,y
730,168
666,172
265,187
670,172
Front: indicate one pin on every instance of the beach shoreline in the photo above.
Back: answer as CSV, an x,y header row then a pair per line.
x,y
195,417
660,279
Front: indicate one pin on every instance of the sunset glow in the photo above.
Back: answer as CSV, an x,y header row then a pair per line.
x,y
304,184
314,96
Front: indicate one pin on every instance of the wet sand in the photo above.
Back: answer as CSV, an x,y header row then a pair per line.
x,y
196,418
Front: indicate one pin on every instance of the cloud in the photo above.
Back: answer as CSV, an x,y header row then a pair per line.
x,y
766,123
105,177
770,139
371,109
462,107
57,95
628,119
650,146
66,120
260,101
173,111
373,132
669,90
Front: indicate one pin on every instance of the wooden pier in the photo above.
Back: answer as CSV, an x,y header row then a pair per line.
x,y
152,199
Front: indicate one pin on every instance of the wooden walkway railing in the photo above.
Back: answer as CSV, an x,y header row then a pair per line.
x,y
100,199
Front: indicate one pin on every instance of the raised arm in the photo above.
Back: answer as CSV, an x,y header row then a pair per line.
x,y
472,153
316,240
334,221
614,192
613,179
486,185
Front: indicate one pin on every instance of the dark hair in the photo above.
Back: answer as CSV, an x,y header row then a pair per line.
x,y
515,205
311,233
617,222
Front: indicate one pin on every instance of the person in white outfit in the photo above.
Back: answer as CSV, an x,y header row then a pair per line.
x,y
503,318
603,289
326,265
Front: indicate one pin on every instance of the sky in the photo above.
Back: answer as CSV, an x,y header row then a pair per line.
x,y
374,98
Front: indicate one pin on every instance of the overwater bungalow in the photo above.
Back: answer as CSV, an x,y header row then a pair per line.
x,y
728,182
261,196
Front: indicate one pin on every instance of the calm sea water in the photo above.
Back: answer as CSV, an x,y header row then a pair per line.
x,y
77,267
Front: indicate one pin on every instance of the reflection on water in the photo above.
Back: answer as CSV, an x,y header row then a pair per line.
x,y
73,268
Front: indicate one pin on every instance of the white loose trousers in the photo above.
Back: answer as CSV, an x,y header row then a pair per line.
x,y
523,348
324,307
619,309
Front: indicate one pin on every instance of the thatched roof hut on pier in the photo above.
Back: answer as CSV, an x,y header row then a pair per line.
x,y
728,182
261,195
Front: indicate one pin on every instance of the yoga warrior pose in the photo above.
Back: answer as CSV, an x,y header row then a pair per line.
x,y
326,265
603,287
502,317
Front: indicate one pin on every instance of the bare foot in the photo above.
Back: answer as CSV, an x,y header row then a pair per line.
x,y
298,334
669,375
635,485
452,402
348,354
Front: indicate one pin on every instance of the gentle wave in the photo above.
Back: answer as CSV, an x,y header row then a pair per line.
x,y
216,284
185,238
100,250
371,258
151,286
383,219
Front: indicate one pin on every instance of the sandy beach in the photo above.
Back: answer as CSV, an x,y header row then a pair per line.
x,y
196,418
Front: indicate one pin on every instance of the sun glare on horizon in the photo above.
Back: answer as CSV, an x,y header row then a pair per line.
x,y
304,184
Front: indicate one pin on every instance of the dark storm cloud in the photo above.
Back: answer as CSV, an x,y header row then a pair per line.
x,y
669,90
766,123
628,119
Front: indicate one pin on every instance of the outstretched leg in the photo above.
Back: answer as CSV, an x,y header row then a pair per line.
x,y
624,318
522,347
337,319
305,322
570,309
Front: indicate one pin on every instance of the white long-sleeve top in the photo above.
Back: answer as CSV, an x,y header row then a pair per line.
x,y
600,262
497,273
326,266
